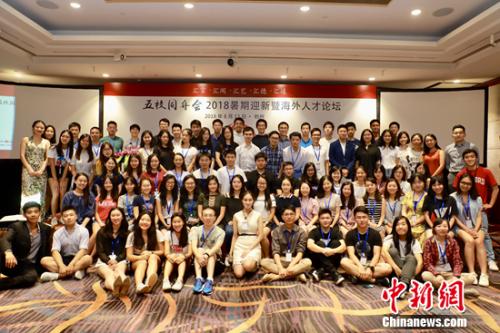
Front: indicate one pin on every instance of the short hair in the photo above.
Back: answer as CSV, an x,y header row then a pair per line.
x,y
248,129
217,121
360,209
323,211
295,134
305,124
261,121
195,122
283,123
111,122
95,127
316,130
288,207
459,126
274,132
342,126
31,204
350,124
328,122
238,119
209,208
163,120
395,123
260,155
176,125
469,151
66,208
74,124
374,121
136,126
230,152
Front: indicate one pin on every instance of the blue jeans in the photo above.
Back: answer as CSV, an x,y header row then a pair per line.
x,y
490,254
228,238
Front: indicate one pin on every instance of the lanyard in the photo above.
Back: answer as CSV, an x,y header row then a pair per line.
x,y
347,213
169,207
114,243
289,237
319,153
329,199
467,207
190,207
415,203
157,176
147,204
440,208
363,249
129,206
304,210
442,254
372,205
204,177
203,237
323,235
186,151
296,157
178,178
392,208
96,151
229,175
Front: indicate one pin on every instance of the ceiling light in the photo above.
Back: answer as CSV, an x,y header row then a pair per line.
x,y
105,75
198,75
284,76
456,81
416,12
188,5
305,9
75,5
371,78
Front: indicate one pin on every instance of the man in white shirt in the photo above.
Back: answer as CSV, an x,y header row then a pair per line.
x,y
245,153
226,174
328,128
177,135
95,136
238,126
69,250
319,153
295,154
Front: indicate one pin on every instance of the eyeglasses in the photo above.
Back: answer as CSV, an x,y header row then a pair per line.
x,y
466,183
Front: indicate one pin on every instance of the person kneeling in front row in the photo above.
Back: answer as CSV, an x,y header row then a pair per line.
x,y
69,250
206,243
22,248
363,247
289,243
326,247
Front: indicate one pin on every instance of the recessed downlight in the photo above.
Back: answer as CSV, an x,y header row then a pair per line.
x,y
188,5
283,77
198,75
371,78
75,5
416,12
456,81
305,9
105,75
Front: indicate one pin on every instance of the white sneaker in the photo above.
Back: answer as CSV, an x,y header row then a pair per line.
x,y
166,285
80,274
226,262
142,288
492,265
474,275
177,285
49,276
484,281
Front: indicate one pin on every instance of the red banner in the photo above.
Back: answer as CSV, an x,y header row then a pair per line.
x,y
240,90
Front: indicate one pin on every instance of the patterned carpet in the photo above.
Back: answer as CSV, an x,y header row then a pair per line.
x,y
247,306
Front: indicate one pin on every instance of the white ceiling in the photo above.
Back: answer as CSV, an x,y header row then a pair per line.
x,y
331,42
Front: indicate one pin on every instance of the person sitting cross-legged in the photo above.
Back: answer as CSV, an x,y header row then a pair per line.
x,y
326,247
69,250
288,243
363,247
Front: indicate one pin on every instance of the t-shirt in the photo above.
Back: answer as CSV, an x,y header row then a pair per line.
x,y
143,204
69,243
189,154
317,235
206,240
439,208
127,204
130,242
360,245
224,175
259,205
103,208
115,141
320,156
415,246
484,179
82,164
173,241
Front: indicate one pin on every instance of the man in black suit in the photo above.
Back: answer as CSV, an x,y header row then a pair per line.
x,y
22,248
342,152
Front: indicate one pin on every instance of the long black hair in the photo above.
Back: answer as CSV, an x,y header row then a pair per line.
x,y
59,147
183,239
409,236
53,139
351,202
88,149
138,240
267,192
184,195
163,190
472,192
243,187
320,193
86,190
114,191
108,226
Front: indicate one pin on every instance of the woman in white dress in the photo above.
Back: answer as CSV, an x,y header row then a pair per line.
x,y
248,233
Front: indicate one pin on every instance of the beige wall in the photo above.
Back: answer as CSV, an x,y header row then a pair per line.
x,y
494,130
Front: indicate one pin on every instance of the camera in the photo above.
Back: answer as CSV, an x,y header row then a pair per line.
x,y
231,62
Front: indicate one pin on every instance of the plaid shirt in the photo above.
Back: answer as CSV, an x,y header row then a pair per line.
x,y
274,159
431,256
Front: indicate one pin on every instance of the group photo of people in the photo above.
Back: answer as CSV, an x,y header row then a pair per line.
x,y
151,207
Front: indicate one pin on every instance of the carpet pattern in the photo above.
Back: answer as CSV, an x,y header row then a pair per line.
x,y
235,306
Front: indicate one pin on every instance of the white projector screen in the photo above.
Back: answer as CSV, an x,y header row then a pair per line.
x,y
55,106
437,112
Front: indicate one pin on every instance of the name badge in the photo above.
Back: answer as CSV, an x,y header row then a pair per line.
x,y
363,260
112,256
288,256
325,241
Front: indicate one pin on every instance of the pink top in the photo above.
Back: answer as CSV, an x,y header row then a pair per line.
x,y
432,161
103,208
